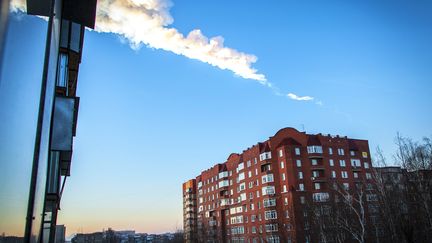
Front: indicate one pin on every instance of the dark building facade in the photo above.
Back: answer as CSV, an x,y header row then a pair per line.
x,y
271,192
57,113
406,204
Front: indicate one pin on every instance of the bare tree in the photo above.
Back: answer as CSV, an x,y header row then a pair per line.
x,y
341,217
405,191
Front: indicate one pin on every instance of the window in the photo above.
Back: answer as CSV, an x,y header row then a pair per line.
x,y
241,176
366,165
269,202
314,162
266,167
320,197
368,176
333,174
251,184
282,164
223,183
341,151
371,197
243,196
314,150
356,175
344,174
249,174
240,166
273,239
298,162
302,200
346,186
62,71
300,175
248,163
330,151
355,163
257,194
352,152
331,162
301,187
267,178
297,151
270,215
285,200
237,230
364,154
242,186
283,176
280,153
265,155
268,190
284,188
315,173
342,163
317,186
271,227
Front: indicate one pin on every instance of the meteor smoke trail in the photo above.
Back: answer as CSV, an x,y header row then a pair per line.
x,y
146,22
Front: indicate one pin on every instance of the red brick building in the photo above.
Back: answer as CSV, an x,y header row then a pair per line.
x,y
269,192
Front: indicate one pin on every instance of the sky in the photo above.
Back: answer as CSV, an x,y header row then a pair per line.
x,y
158,105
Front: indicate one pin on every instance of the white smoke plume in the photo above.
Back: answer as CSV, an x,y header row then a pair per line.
x,y
18,5
299,98
147,22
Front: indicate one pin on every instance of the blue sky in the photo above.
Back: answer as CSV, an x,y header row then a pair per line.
x,y
150,119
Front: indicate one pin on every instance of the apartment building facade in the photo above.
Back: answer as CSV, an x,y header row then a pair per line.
x,y
271,191
190,211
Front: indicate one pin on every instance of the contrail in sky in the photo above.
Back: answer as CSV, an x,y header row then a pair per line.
x,y
146,22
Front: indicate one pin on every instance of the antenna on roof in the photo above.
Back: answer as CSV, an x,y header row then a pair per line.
x,y
303,128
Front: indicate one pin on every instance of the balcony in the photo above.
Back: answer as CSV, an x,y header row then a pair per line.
x,y
190,196
224,202
321,197
265,156
190,203
315,151
222,184
223,174
318,167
